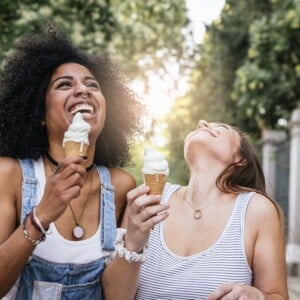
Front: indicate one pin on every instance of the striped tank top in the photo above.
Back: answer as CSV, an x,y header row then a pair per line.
x,y
166,275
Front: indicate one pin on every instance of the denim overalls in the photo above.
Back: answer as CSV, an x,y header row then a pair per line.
x,y
43,280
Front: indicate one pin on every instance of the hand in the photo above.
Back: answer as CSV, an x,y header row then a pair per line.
x,y
235,291
144,212
61,187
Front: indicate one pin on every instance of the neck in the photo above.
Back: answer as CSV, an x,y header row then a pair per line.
x,y
202,187
55,163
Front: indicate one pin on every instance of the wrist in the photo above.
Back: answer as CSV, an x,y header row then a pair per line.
x,y
122,251
31,234
39,221
131,246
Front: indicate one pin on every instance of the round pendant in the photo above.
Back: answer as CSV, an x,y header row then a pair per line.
x,y
78,232
197,214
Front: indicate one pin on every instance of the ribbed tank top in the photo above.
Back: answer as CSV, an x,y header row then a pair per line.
x,y
166,275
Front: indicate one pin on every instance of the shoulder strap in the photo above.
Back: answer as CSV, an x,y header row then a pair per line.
x,y
29,187
107,213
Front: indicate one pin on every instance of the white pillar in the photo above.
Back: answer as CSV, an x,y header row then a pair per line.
x,y
294,187
269,152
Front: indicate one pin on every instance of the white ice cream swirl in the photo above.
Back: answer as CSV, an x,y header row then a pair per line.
x,y
154,162
78,130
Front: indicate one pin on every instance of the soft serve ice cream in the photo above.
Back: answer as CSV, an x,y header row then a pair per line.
x,y
155,170
76,138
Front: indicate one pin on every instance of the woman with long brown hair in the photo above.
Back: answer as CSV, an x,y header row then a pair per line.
x,y
223,237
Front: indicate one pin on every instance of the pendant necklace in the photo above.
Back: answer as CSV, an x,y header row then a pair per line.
x,y
78,231
197,211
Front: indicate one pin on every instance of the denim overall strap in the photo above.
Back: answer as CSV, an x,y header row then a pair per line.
x,y
29,187
107,212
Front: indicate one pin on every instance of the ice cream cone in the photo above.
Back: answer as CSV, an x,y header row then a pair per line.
x,y
156,182
76,138
75,148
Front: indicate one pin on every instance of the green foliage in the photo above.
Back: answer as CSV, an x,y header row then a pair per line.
x,y
178,126
247,74
267,84
142,35
137,152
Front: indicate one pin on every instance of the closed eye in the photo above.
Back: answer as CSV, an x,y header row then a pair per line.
x,y
222,125
93,84
64,84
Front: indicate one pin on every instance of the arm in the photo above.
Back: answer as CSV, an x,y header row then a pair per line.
x,y
266,245
120,278
14,247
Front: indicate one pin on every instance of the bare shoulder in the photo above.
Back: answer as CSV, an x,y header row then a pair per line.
x,y
263,211
122,179
10,171
10,194
123,183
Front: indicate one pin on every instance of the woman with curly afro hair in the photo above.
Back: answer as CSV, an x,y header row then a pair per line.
x,y
59,212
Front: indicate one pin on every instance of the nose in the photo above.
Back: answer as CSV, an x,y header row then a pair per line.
x,y
202,123
81,90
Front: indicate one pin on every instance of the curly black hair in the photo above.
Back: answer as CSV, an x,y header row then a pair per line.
x,y
23,83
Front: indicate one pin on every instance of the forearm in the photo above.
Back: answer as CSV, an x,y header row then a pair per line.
x,y
120,279
14,253
275,297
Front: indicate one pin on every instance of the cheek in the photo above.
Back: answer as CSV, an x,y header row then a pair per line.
x,y
102,114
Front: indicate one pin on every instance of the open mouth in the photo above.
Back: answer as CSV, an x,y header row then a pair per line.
x,y
82,108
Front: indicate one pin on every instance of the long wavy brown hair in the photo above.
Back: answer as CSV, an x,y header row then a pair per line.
x,y
245,175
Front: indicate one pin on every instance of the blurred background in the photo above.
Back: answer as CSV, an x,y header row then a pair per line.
x,y
232,61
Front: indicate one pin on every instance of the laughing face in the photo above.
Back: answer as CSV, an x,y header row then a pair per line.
x,y
214,140
73,89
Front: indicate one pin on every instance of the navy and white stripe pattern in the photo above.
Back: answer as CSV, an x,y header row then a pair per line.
x,y
168,276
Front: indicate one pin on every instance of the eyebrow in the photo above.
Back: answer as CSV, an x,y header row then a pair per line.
x,y
70,78
222,124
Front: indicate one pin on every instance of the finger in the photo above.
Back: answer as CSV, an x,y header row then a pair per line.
x,y
221,291
150,211
154,220
57,169
145,201
66,171
71,194
137,192
74,159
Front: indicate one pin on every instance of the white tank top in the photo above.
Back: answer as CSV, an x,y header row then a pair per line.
x,y
56,248
166,275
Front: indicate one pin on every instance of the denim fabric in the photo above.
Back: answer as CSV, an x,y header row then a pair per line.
x,y
42,279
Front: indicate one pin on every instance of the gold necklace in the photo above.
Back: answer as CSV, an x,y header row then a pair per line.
x,y
197,211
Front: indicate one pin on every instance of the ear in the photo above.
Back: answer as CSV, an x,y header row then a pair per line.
x,y
242,163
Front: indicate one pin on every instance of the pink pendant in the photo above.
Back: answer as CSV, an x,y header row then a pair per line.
x,y
78,232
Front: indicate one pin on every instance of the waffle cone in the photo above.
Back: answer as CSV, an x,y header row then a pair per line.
x,y
156,182
75,148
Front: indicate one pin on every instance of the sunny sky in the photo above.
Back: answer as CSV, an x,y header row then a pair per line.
x,y
160,97
203,12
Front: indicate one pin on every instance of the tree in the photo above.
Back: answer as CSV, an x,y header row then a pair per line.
x,y
248,71
143,35
267,84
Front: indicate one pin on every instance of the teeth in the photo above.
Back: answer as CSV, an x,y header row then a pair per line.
x,y
82,108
